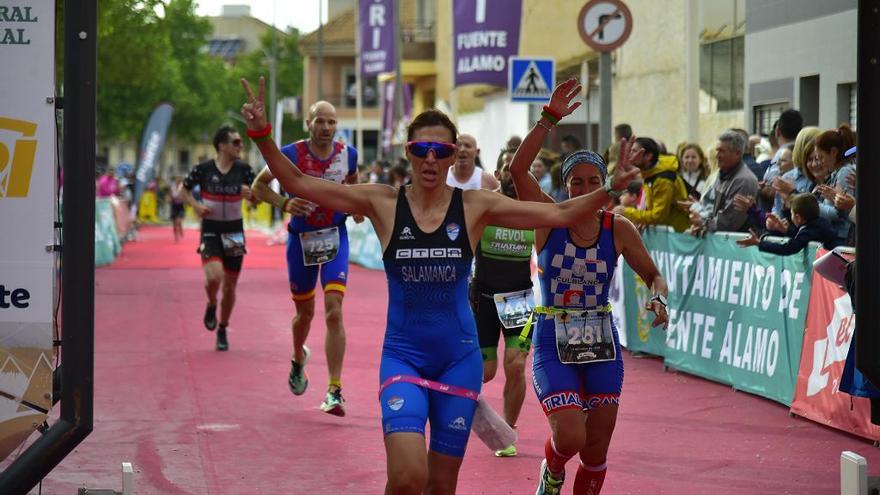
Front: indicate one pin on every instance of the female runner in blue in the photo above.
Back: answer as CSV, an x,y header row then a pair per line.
x,y
431,367
577,371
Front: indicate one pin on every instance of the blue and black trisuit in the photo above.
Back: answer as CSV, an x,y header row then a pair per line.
x,y
430,331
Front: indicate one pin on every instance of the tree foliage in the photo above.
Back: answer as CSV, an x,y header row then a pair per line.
x,y
289,73
135,71
150,51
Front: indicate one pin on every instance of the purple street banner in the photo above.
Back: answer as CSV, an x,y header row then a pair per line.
x,y
376,35
387,114
486,34
394,130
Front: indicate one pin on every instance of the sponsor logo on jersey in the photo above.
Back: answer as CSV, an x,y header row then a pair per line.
x,y
458,424
452,230
428,253
602,400
406,235
561,400
395,403
579,268
573,298
537,385
341,276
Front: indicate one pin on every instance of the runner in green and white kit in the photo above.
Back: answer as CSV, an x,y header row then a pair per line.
x,y
501,298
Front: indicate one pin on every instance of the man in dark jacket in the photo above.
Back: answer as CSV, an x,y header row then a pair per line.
x,y
810,227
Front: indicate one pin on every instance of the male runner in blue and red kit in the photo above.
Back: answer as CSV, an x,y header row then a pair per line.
x,y
317,242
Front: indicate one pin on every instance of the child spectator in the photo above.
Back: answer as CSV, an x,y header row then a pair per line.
x,y
810,227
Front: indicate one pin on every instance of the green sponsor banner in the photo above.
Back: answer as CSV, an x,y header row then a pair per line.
x,y
107,244
737,316
640,337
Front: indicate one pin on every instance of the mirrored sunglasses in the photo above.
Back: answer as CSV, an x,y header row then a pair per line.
x,y
421,149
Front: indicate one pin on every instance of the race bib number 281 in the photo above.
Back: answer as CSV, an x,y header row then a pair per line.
x,y
585,338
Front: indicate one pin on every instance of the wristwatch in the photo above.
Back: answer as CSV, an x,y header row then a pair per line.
x,y
660,299
610,190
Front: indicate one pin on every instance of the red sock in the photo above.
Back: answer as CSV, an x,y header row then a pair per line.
x,y
556,460
589,479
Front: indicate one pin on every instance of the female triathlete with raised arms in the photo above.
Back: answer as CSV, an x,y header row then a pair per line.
x,y
431,366
577,371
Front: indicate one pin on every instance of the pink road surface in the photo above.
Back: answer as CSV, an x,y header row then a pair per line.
x,y
196,421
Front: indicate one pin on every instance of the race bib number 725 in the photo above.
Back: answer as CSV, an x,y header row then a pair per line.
x,y
319,246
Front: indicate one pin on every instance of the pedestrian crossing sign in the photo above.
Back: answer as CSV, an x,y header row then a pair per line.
x,y
531,79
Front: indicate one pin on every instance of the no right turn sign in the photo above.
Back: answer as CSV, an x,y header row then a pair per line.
x,y
604,24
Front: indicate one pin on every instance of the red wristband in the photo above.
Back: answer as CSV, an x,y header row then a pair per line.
x,y
261,133
552,112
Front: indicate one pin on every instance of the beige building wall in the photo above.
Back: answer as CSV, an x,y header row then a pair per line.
x,y
712,125
649,91
649,87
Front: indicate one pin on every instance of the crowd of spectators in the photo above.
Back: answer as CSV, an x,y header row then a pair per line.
x,y
758,185
796,185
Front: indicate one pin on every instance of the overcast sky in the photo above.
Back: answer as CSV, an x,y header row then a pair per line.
x,y
301,14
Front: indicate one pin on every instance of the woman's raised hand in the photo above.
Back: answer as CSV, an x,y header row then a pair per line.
x,y
560,100
254,109
624,173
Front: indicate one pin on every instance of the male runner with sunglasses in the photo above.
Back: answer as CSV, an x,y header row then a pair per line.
x,y
317,243
223,182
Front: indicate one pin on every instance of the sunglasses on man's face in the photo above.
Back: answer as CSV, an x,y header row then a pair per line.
x,y
234,142
421,149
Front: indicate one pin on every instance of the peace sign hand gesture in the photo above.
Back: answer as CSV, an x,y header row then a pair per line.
x,y
625,172
560,100
254,110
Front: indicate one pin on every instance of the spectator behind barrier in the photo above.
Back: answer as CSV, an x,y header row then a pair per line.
x,y
797,180
693,167
757,215
733,178
663,188
541,170
830,148
569,145
559,192
398,176
107,185
770,152
749,155
513,143
810,227
788,126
